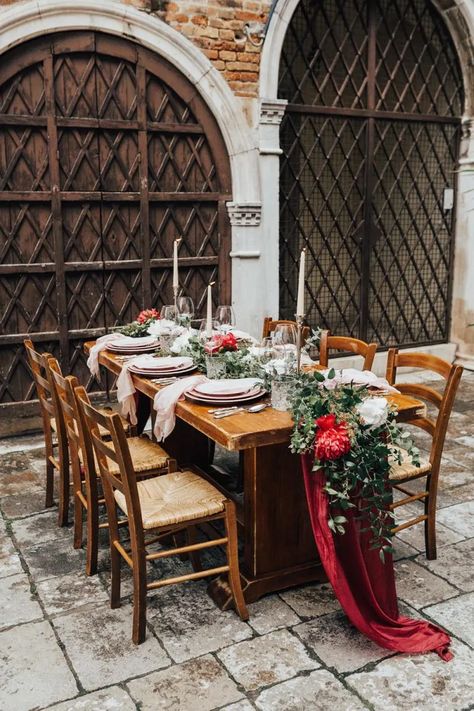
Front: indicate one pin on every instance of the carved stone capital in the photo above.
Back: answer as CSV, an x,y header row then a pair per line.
x,y
272,111
467,143
244,214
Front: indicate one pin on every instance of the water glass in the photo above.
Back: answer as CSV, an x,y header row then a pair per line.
x,y
166,339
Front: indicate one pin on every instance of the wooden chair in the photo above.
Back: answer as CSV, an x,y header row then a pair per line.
x,y
55,437
346,344
149,460
160,506
405,472
269,326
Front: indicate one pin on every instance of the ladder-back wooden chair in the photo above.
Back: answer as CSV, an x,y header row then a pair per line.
x,y
346,344
156,507
149,459
55,437
406,472
269,326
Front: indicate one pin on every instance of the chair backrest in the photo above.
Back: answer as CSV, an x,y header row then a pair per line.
x,y
116,450
346,344
444,401
269,326
48,402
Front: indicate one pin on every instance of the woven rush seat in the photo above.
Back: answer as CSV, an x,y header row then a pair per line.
x,y
173,498
406,470
146,456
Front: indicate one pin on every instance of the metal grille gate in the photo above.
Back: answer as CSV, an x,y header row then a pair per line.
x,y
370,143
107,153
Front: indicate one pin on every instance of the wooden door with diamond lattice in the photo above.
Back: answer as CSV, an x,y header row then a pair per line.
x,y
107,154
370,145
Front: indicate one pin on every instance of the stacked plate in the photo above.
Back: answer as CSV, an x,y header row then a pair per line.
x,y
156,367
226,392
129,345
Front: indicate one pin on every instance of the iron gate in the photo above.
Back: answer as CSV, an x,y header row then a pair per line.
x,y
370,143
107,153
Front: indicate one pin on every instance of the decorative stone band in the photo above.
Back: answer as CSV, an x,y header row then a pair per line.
x,y
245,214
467,144
272,111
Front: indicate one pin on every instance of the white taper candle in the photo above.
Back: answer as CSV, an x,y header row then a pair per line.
x,y
209,311
175,263
301,278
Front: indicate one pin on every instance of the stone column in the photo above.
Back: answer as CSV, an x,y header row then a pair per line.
x,y
462,332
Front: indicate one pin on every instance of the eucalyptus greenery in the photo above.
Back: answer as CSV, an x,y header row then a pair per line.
x,y
358,479
135,329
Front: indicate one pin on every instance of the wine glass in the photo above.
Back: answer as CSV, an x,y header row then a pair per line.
x,y
169,313
225,318
185,310
204,336
284,335
265,350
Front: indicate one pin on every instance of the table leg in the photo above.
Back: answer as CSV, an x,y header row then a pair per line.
x,y
279,548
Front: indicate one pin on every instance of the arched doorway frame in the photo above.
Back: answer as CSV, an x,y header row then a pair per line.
x,y
459,18
28,20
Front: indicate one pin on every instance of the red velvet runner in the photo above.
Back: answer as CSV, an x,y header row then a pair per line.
x,y
364,585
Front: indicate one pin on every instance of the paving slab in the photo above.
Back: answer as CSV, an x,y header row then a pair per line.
x,y
16,480
459,518
197,684
319,691
311,600
64,593
271,613
54,558
112,699
454,564
419,587
338,643
415,536
41,527
34,670
10,563
456,615
243,705
263,661
24,504
17,602
189,624
423,682
99,644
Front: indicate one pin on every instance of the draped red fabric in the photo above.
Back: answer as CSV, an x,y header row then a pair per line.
x,y
363,584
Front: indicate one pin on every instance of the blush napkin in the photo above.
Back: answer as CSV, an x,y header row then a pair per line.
x,y
165,404
100,345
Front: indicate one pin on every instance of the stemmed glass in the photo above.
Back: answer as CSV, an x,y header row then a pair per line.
x,y
169,313
185,310
284,335
225,318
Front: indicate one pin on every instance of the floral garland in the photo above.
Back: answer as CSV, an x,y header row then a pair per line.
x,y
354,438
139,327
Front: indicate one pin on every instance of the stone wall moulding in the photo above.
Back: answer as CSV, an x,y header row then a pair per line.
x,y
26,20
246,214
272,111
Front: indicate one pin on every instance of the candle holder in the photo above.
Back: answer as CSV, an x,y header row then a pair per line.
x,y
175,295
299,339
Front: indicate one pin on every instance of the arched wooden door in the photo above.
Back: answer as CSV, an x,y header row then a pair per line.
x,y
370,145
107,154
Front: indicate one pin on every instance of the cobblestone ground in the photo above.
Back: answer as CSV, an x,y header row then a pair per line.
x,y
62,647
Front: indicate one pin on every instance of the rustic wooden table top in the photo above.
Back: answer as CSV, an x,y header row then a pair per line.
x,y
243,430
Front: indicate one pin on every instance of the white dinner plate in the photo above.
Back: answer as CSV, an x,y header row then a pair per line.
x,y
227,387
197,397
161,373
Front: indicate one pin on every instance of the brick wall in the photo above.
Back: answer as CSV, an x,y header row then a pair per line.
x,y
216,27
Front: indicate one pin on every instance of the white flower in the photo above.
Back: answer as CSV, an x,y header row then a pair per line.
x,y
373,411
182,341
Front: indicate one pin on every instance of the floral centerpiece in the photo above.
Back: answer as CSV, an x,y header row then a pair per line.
x,y
354,438
140,326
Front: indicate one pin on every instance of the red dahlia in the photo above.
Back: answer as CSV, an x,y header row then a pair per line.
x,y
332,439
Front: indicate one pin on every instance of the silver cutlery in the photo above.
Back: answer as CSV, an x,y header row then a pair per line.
x,y
232,411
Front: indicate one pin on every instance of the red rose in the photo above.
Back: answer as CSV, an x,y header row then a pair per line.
x,y
332,444
148,315
326,422
229,342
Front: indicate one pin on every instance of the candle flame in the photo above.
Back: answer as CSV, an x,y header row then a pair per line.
x,y
178,240
212,283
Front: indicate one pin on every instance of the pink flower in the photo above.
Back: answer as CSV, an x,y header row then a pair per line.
x,y
332,439
148,315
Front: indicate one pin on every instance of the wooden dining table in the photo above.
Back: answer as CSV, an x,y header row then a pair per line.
x,y
278,548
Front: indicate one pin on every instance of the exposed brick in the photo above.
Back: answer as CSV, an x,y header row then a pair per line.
x,y
227,56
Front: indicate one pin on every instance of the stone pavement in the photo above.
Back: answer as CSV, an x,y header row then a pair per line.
x,y
62,647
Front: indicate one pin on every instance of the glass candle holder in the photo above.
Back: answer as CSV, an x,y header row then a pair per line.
x,y
216,367
282,390
166,341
